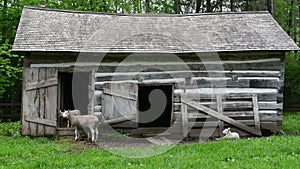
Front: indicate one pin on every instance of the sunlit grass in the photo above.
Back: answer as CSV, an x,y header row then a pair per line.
x,y
54,152
272,152
291,123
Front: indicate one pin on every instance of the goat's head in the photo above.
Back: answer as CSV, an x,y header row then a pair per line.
x,y
65,114
61,113
225,131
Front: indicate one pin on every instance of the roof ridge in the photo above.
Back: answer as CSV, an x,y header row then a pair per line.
x,y
142,14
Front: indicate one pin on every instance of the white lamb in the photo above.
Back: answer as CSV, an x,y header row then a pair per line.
x,y
229,135
73,112
89,124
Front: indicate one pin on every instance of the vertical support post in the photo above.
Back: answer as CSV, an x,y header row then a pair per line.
x,y
184,118
220,111
256,112
91,104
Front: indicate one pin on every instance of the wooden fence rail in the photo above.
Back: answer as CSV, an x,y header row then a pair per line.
x,y
218,111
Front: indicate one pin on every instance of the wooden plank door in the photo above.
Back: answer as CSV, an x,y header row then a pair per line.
x,y
119,102
39,107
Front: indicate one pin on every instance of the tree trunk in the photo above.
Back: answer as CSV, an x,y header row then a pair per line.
x,y
231,6
91,5
208,6
247,5
122,6
198,5
221,5
271,7
4,22
73,5
147,6
178,6
140,4
298,20
290,19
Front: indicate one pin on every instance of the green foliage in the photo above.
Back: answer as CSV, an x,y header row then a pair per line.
x,y
291,123
292,78
10,12
287,15
11,129
10,68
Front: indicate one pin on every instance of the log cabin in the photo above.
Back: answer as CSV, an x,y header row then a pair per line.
x,y
152,73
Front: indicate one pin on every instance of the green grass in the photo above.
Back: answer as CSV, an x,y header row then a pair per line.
x,y
54,152
10,129
291,123
273,152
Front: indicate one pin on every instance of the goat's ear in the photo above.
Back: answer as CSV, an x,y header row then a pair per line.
x,y
228,128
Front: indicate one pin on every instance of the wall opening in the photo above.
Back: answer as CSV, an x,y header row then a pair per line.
x,y
150,115
74,96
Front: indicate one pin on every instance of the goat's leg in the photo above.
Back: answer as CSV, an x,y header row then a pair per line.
x,y
96,134
76,134
90,134
93,134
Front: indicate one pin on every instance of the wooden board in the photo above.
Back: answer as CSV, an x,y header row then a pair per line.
x,y
120,102
121,119
184,120
219,116
91,94
205,82
256,112
117,76
51,102
159,140
220,111
39,108
42,99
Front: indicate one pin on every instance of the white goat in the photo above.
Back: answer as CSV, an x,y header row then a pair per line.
x,y
89,124
73,112
229,135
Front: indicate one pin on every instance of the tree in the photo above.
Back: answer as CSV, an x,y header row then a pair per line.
x,y
10,71
198,5
178,6
147,6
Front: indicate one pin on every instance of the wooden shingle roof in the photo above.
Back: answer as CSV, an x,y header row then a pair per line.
x,y
43,29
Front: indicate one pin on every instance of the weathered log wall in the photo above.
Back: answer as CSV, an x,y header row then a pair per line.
x,y
240,73
261,73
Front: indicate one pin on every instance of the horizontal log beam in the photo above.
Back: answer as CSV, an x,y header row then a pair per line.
x,y
183,74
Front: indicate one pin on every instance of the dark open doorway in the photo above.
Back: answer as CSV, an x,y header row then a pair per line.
x,y
155,104
74,94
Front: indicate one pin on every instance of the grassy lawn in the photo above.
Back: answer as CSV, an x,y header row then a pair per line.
x,y
272,152
291,123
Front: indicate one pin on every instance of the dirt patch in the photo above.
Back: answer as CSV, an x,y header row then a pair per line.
x,y
122,142
114,142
